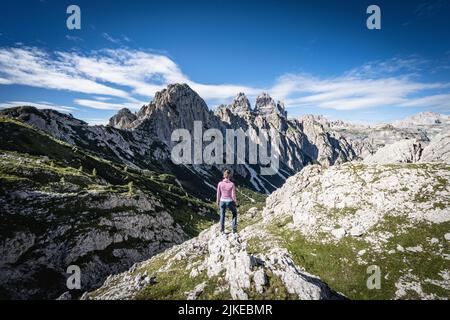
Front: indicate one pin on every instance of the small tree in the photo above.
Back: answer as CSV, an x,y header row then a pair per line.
x,y
94,172
62,181
80,169
125,169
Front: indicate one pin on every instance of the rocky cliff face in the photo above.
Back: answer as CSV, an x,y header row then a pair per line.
x,y
393,216
123,119
438,150
62,205
412,151
303,141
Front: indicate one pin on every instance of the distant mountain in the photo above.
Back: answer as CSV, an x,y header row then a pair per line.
x,y
423,119
366,140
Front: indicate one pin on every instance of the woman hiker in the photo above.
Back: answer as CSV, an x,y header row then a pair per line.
x,y
226,198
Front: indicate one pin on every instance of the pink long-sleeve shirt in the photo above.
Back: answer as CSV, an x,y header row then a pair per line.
x,y
226,191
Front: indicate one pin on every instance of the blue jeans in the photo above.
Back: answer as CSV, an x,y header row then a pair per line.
x,y
223,207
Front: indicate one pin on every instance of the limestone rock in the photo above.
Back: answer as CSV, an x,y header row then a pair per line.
x,y
438,150
123,119
404,151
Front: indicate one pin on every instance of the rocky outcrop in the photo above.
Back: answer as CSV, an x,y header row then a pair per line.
x,y
404,151
393,217
223,266
123,119
438,150
360,196
341,221
110,234
176,107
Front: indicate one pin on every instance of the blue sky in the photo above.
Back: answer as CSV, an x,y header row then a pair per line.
x,y
316,56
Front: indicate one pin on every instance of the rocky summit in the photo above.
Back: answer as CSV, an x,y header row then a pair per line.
x,y
347,199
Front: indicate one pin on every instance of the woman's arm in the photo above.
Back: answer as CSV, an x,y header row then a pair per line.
x,y
218,194
233,194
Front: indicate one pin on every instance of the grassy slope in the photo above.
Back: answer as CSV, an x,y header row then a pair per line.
x,y
340,266
32,160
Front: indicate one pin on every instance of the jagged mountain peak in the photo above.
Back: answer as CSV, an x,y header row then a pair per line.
x,y
175,90
123,119
240,104
265,105
178,104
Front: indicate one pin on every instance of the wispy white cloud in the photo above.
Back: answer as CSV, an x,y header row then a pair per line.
x,y
108,37
73,38
119,78
100,73
411,65
351,92
38,105
101,105
36,68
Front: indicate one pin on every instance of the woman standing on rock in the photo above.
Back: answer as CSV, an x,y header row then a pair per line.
x,y
226,198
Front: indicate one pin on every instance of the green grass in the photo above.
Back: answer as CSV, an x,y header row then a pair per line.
x,y
173,284
336,263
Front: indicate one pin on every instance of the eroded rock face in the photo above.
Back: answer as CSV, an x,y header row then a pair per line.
x,y
395,213
326,148
362,211
176,107
267,106
357,197
404,151
108,235
438,150
303,141
123,119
